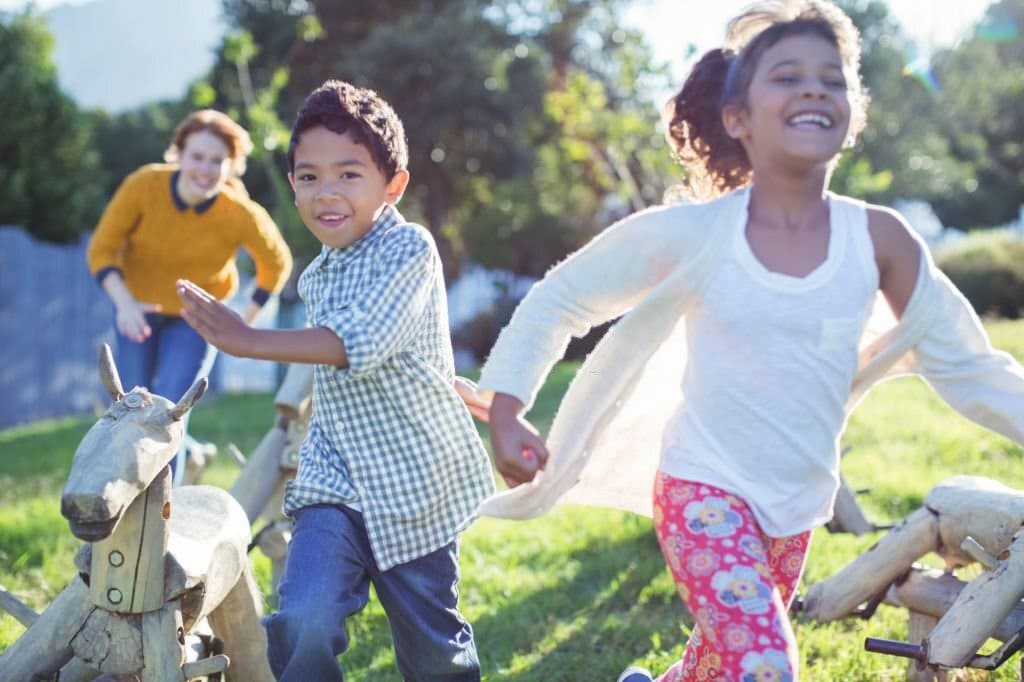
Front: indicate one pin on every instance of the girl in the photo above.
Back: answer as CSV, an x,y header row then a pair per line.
x,y
744,341
183,219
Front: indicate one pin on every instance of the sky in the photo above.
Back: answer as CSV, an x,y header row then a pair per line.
x,y
672,25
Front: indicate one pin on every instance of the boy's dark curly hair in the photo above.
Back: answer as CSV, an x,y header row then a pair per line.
x,y
344,108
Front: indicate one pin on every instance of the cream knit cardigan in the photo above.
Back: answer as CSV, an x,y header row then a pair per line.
x,y
649,268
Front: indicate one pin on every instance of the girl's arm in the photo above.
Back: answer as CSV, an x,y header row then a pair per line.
x,y
897,254
953,352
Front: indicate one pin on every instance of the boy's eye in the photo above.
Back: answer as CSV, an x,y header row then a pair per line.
x,y
350,175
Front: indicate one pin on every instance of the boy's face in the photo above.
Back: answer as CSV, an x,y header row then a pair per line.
x,y
339,190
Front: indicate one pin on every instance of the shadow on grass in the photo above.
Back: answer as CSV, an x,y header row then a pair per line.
x,y
589,626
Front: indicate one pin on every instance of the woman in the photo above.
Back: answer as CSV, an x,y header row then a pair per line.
x,y
182,219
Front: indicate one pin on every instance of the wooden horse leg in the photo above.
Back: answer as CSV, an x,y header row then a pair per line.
x,y
980,607
872,572
46,646
163,644
236,620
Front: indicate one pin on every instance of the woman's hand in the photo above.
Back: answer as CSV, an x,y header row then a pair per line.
x,y
519,451
131,319
130,314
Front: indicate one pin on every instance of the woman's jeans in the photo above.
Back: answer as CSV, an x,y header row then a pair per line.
x,y
327,578
167,363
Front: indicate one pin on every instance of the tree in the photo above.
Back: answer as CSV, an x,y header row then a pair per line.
x,y
981,101
49,181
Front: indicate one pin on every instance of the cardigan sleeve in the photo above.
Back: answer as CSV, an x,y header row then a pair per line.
x,y
598,283
263,241
956,358
120,216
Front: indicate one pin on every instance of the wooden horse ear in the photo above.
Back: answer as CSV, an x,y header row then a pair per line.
x,y
189,399
108,373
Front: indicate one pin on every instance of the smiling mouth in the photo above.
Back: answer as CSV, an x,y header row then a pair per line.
x,y
813,119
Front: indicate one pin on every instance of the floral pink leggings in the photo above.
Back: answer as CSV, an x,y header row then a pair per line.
x,y
736,581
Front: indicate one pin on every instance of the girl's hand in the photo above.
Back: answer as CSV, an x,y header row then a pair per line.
x,y
218,324
131,319
519,451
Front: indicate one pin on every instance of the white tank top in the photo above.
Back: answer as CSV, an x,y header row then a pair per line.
x,y
771,360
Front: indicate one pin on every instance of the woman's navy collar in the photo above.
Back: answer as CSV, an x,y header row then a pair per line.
x,y
199,208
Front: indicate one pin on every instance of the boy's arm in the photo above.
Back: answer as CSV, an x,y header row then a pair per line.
x,y
225,329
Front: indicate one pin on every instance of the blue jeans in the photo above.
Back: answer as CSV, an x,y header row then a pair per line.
x,y
167,363
327,577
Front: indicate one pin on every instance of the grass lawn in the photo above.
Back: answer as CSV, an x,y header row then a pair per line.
x,y
579,594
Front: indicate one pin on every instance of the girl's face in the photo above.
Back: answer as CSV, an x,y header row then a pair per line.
x,y
205,165
798,104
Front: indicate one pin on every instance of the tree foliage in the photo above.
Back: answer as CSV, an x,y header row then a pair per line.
x,y
50,180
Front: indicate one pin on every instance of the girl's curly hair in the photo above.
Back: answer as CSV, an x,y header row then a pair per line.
x,y
717,163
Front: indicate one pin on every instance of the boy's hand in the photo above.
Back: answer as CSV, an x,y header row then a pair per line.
x,y
519,451
215,322
478,407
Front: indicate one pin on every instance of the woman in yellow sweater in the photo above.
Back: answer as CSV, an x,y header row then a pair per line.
x,y
183,219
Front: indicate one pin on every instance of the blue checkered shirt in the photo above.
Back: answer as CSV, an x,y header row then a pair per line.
x,y
389,434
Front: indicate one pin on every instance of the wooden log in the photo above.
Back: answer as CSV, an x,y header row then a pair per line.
x,y
872,572
110,642
163,645
46,646
918,627
260,475
982,605
296,389
77,670
237,622
978,507
847,515
127,570
17,608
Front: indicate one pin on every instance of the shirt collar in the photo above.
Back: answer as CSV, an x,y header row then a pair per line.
x,y
180,204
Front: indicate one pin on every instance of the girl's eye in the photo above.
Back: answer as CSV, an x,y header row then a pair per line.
x,y
307,177
785,78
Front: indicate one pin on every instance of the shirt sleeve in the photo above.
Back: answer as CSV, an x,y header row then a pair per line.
x,y
386,315
270,253
119,218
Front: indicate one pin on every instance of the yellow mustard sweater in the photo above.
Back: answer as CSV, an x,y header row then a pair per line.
x,y
152,240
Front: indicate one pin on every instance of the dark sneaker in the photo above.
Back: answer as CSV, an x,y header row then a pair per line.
x,y
635,674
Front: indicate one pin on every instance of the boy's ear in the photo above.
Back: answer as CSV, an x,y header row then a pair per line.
x,y
734,119
396,187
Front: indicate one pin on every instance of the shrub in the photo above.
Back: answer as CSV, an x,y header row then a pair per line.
x,y
988,267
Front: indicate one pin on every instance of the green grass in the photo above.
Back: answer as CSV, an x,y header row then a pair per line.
x,y
576,595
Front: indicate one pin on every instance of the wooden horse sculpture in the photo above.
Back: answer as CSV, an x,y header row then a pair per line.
x,y
965,520
154,566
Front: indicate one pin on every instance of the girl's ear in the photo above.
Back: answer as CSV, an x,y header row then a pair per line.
x,y
734,120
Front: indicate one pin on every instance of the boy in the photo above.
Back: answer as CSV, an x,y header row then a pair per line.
x,y
392,469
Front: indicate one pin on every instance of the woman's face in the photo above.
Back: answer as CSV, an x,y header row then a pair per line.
x,y
798,104
205,165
